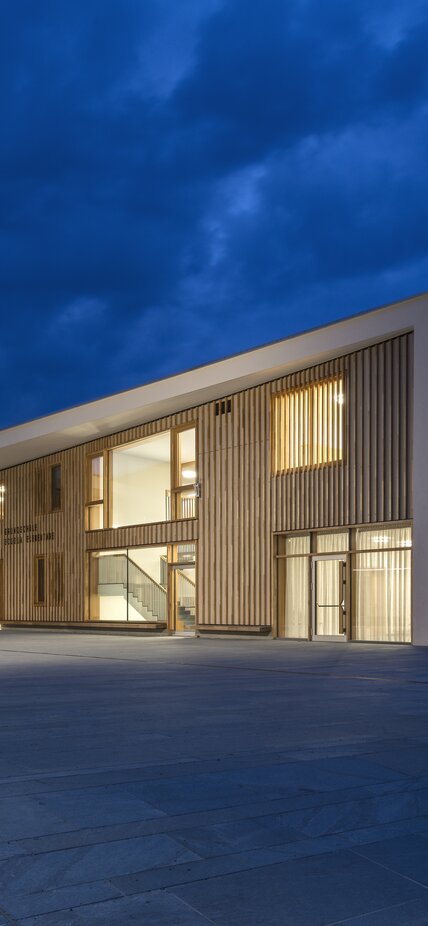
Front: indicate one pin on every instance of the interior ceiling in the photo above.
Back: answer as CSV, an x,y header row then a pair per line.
x,y
156,449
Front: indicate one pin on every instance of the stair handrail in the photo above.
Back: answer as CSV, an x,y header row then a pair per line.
x,y
146,580
146,574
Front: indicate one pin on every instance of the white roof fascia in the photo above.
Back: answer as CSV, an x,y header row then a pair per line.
x,y
123,410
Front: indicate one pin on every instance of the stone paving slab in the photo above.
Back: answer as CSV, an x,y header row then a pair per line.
x,y
158,909
184,782
311,891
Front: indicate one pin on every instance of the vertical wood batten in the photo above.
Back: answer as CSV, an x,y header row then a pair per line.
x,y
242,502
374,480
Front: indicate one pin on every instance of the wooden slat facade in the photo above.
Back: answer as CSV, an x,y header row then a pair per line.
x,y
242,503
373,483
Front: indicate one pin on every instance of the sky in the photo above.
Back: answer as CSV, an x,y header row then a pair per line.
x,y
184,180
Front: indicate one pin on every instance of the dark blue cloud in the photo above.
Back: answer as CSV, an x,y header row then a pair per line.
x,y
177,184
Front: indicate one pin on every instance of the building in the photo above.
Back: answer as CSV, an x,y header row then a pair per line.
x,y
281,491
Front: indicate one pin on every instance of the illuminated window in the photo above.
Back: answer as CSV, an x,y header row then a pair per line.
x,y
308,426
185,475
2,496
95,492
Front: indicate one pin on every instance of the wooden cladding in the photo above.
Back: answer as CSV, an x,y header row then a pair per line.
x,y
358,470
234,549
47,493
40,496
373,483
39,580
48,579
56,579
307,426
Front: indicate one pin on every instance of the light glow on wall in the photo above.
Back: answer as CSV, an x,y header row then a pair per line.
x,y
308,426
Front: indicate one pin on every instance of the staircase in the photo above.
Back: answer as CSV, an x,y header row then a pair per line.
x,y
120,575
186,611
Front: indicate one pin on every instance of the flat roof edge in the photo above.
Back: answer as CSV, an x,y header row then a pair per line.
x,y
105,414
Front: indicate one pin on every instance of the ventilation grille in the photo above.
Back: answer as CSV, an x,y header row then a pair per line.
x,y
223,407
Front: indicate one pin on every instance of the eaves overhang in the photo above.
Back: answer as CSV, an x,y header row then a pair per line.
x,y
84,423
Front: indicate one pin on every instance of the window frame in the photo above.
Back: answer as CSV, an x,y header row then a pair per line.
x,y
38,600
100,504
177,487
282,433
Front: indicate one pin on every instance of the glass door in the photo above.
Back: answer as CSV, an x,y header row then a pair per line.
x,y
329,598
184,599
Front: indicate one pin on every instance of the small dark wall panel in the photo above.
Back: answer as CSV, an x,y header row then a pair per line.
x,y
374,481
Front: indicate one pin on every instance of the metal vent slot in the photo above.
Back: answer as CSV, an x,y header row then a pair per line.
x,y
223,407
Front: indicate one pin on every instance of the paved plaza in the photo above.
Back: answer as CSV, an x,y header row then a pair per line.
x,y
186,782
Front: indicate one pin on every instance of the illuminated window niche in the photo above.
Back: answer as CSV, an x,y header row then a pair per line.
x,y
153,479
308,426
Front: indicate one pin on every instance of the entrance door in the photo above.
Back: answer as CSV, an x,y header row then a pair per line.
x,y
184,598
329,598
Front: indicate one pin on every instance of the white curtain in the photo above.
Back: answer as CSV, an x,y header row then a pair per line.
x,y
297,597
382,596
333,543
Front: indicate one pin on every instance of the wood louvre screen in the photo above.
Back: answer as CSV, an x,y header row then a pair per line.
x,y
308,426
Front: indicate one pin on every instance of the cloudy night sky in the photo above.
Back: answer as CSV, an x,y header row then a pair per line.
x,y
184,179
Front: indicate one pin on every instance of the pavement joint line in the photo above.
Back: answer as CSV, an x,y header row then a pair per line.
x,y
374,861
179,773
9,919
223,874
251,669
190,906
76,906
176,822
355,918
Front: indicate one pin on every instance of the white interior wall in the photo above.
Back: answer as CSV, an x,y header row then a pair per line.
x,y
139,488
148,558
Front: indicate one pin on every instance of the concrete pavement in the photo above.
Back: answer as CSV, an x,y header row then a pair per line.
x,y
185,782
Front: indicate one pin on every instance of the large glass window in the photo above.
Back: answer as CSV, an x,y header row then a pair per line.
x,y
308,426
293,586
184,488
297,597
144,482
128,585
382,585
335,542
95,492
140,474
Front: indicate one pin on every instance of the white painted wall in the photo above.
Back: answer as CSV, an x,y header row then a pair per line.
x,y
139,488
148,558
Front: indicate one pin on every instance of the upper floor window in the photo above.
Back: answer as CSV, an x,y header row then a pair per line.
x,y
95,492
308,426
56,487
143,482
184,487
2,497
